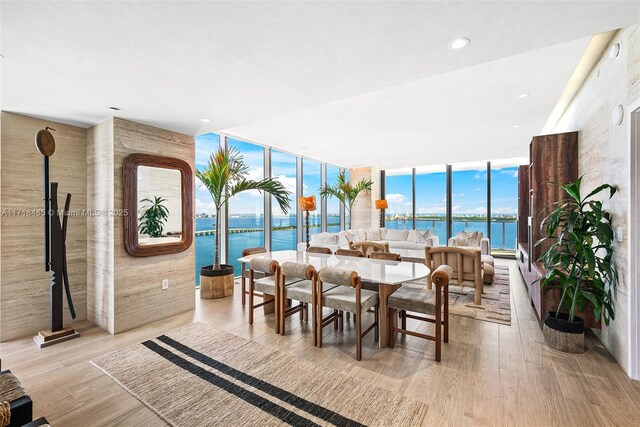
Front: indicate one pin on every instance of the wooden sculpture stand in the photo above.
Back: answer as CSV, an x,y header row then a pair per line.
x,y
55,253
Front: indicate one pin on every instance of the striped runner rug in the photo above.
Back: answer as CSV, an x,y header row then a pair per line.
x,y
201,376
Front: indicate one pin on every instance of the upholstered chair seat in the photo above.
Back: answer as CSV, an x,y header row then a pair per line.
x,y
267,285
302,291
414,297
344,299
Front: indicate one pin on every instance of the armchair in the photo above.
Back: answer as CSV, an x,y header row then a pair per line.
x,y
476,240
466,265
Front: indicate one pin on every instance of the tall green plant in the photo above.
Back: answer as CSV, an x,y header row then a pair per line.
x,y
345,192
225,177
579,261
151,220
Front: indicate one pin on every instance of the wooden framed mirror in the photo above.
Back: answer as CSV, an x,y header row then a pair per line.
x,y
158,196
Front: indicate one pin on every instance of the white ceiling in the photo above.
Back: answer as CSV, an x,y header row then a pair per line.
x,y
348,80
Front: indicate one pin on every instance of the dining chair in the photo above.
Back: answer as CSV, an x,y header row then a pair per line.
x,y
348,296
267,285
354,253
304,292
245,272
319,250
349,252
417,298
387,256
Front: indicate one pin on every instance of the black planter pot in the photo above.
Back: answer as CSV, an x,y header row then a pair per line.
x,y
562,323
216,283
562,334
225,269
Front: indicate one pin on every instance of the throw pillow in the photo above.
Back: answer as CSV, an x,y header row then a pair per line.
x,y
418,236
465,238
351,235
383,233
342,238
373,234
361,235
396,235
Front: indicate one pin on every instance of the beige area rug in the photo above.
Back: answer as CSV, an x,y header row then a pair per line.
x,y
496,299
201,376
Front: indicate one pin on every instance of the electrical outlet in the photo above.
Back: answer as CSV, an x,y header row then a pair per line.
x,y
165,284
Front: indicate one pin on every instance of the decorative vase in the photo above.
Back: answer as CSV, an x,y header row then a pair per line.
x,y
563,335
216,283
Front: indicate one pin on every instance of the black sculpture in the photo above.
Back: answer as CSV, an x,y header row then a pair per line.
x,y
55,252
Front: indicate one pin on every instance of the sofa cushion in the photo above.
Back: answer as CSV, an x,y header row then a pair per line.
x,y
324,239
396,235
399,244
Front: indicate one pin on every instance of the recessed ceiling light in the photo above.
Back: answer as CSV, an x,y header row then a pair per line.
x,y
516,126
523,95
114,108
205,120
459,43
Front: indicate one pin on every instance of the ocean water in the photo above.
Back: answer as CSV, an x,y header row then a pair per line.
x,y
285,238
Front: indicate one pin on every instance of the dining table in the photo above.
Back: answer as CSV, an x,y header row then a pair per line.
x,y
387,275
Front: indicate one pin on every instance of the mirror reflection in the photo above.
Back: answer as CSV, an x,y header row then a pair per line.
x,y
159,205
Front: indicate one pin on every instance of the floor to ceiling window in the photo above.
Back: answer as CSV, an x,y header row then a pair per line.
x,y
246,210
311,181
504,207
469,198
431,201
284,226
333,204
399,196
205,218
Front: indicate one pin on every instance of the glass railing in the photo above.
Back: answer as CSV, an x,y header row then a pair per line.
x,y
503,235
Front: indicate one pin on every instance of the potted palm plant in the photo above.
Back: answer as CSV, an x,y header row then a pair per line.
x,y
345,192
153,217
578,263
224,177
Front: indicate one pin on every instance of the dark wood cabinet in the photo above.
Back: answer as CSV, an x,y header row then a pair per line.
x,y
553,162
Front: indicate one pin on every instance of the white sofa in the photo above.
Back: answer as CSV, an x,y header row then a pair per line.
x,y
396,239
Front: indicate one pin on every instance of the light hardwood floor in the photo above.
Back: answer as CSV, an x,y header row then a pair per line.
x,y
490,374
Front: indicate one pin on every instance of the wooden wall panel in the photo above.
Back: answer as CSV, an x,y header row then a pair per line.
x,y
24,285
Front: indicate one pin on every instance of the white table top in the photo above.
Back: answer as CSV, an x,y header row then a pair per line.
x,y
371,270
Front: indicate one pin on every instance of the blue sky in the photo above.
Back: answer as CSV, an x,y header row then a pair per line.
x,y
469,186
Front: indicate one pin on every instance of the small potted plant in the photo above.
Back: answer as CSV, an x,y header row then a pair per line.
x,y
153,217
224,177
578,263
345,192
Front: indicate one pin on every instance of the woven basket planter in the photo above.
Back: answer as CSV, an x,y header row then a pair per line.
x,y
563,335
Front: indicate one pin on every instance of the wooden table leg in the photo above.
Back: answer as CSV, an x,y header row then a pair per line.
x,y
385,290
